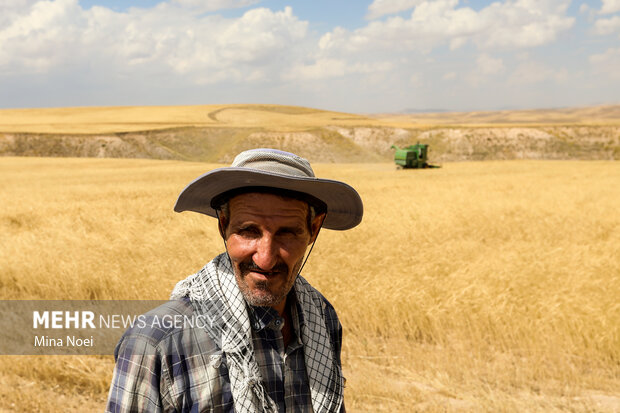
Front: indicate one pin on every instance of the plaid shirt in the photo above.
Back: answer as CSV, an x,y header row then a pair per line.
x,y
182,369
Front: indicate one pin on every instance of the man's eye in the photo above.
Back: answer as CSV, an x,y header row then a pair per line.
x,y
248,232
288,232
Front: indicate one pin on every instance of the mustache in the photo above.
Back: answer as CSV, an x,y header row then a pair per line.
x,y
246,267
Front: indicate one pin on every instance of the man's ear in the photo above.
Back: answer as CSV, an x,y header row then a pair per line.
x,y
316,225
221,225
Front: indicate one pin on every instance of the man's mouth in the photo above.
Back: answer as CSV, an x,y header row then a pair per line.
x,y
278,270
266,274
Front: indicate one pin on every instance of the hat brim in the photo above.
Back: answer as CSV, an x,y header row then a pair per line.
x,y
344,205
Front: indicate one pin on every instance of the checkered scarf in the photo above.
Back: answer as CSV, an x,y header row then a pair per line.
x,y
213,292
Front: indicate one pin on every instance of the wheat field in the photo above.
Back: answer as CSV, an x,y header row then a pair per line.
x,y
114,119
90,120
490,287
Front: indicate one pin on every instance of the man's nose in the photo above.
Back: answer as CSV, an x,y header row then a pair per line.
x,y
266,253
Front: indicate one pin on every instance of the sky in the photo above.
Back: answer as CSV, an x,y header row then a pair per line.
x,y
353,56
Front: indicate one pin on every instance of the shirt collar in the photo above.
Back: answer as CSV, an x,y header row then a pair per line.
x,y
262,317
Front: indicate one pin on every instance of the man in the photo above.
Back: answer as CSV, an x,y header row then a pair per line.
x,y
271,342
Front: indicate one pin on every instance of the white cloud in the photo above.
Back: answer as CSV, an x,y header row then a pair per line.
x,y
320,69
213,5
328,68
9,9
380,8
607,26
524,23
165,39
415,80
509,25
488,65
449,76
607,63
610,6
178,52
39,35
584,8
531,72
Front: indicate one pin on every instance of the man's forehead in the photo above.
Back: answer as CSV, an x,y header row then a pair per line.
x,y
267,204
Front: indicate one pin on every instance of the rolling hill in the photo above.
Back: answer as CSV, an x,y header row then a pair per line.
x,y
215,133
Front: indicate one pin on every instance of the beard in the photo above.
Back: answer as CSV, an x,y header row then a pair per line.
x,y
262,293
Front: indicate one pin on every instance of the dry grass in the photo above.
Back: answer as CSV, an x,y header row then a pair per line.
x,y
476,287
588,115
98,120
92,120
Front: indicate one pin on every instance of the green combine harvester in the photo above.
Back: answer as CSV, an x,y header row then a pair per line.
x,y
412,157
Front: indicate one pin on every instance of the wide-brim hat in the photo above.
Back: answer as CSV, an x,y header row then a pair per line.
x,y
271,168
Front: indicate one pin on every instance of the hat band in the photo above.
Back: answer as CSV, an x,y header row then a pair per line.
x,y
277,167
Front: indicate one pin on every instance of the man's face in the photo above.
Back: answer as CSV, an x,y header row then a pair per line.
x,y
267,236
